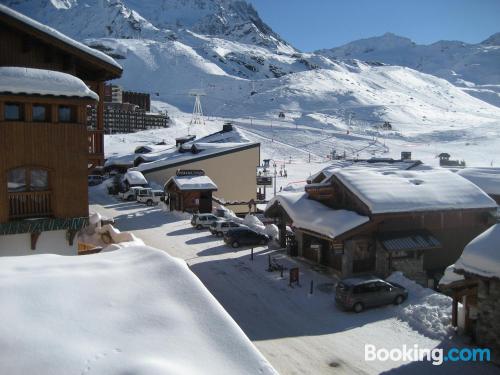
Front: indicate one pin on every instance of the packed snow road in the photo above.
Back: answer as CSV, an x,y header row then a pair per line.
x,y
297,332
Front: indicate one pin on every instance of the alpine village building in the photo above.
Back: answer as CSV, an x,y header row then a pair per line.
x,y
47,80
380,216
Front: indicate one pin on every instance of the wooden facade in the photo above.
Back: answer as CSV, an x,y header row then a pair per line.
x,y
23,45
59,148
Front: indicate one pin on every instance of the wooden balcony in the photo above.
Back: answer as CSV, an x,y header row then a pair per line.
x,y
30,204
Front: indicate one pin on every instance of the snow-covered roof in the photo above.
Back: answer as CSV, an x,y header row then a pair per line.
x,y
193,182
58,35
134,310
450,276
29,81
487,179
386,189
482,255
135,178
314,216
211,145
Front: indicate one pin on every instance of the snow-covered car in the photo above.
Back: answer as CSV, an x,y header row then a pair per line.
x,y
358,293
150,197
200,221
130,194
220,227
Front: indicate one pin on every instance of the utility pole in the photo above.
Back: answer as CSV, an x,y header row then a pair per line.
x,y
275,173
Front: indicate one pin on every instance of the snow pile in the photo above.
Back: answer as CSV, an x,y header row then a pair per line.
x,y
314,216
482,255
450,276
135,178
136,310
56,34
272,231
387,189
18,80
426,311
487,179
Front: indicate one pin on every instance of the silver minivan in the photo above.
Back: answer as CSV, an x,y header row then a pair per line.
x,y
358,293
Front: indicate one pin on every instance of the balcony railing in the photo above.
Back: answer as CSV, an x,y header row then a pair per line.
x,y
28,204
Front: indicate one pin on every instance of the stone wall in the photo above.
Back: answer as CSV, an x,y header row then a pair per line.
x,y
488,321
412,267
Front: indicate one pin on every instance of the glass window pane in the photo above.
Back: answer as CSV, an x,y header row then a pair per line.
x,y
16,180
39,179
39,113
13,111
65,114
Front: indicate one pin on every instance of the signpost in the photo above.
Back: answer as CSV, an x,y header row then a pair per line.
x,y
294,276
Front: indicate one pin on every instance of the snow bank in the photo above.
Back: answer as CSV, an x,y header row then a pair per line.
x,y
482,255
132,311
18,80
426,311
391,190
314,216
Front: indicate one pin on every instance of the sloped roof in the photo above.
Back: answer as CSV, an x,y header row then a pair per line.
x,y
314,216
389,190
55,35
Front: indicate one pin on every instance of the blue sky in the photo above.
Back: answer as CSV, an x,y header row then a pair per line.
x,y
315,24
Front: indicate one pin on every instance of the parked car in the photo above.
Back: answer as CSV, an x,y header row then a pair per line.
x,y
245,236
220,227
150,196
200,221
131,194
358,293
94,179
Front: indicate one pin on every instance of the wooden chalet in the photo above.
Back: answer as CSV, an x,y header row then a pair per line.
x,y
25,42
46,83
190,191
415,221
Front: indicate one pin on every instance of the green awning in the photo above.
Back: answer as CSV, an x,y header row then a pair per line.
x,y
42,225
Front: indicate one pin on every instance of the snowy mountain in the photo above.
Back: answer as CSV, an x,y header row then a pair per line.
x,y
474,67
247,70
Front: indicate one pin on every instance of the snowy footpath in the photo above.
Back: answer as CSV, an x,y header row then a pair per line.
x,y
297,332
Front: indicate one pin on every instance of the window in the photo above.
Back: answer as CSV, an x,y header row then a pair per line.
x,y
13,112
39,179
66,114
41,113
27,179
16,180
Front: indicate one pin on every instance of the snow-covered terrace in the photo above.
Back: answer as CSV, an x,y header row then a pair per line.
x,y
29,81
135,310
316,217
482,255
388,190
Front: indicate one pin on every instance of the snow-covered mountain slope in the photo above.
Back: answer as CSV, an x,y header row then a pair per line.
x,y
247,70
475,67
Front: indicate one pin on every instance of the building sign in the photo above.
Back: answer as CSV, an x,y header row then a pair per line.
x,y
338,248
190,172
264,180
